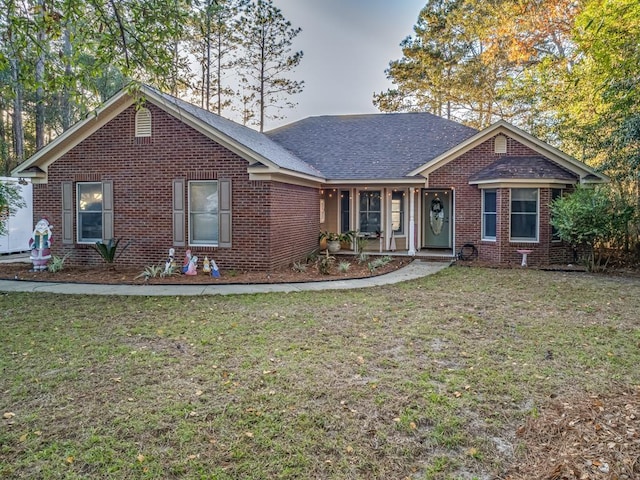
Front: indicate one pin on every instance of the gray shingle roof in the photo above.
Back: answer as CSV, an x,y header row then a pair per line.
x,y
376,146
249,138
523,167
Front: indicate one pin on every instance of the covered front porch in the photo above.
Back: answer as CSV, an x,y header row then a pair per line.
x,y
391,219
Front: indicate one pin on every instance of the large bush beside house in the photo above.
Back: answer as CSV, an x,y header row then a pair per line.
x,y
592,219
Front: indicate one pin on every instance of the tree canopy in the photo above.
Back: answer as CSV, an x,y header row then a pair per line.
x,y
566,71
59,59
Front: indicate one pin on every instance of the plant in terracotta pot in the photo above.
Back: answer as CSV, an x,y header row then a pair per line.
x,y
335,240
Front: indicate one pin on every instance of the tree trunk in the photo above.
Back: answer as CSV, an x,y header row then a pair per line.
x,y
66,92
18,129
40,80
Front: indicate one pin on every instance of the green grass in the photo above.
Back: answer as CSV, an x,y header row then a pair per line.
x,y
406,381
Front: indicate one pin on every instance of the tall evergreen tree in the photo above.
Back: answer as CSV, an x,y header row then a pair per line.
x,y
267,39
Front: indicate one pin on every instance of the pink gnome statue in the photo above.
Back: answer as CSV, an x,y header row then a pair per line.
x,y
40,245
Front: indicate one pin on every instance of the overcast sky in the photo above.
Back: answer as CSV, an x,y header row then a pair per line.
x,y
347,46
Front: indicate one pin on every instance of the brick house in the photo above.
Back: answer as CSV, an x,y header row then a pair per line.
x,y
163,173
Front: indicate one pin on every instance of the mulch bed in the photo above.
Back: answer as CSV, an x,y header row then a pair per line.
x,y
126,275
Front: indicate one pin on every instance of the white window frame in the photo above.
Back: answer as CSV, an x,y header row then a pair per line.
x,y
484,236
537,214
79,239
193,242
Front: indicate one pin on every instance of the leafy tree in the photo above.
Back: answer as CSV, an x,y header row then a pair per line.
x,y
10,202
592,219
67,45
267,38
604,115
445,68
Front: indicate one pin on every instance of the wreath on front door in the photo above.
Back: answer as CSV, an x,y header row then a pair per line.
x,y
436,216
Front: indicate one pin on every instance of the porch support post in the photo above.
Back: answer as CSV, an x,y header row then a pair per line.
x,y
412,226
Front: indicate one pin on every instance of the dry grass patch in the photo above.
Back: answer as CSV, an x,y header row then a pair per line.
x,y
430,379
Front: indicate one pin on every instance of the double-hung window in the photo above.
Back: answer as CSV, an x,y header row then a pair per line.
x,y
203,213
370,211
489,214
89,204
524,214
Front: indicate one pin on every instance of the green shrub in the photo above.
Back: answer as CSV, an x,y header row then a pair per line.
x,y
325,263
56,264
299,267
590,219
151,271
109,251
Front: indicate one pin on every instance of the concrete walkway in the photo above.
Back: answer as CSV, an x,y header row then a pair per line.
x,y
415,269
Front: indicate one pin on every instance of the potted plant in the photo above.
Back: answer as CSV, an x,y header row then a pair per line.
x,y
335,240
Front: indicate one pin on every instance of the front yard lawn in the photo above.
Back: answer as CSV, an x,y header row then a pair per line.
x,y
470,373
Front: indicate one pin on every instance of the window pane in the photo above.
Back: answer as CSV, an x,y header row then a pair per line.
x,y
90,197
370,212
204,197
489,214
489,225
90,227
205,228
203,213
345,213
524,200
397,212
523,226
489,201
369,222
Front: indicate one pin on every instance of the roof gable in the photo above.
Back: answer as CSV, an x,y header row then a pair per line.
x,y
253,146
583,172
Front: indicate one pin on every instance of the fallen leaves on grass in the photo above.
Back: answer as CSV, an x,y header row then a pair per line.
x,y
585,438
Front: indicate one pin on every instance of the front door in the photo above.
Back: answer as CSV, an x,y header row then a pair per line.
x,y
436,218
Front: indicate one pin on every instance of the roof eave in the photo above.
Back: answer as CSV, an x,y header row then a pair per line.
x,y
417,181
510,182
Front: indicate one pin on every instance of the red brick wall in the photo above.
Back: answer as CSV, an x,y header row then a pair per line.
x,y
142,177
468,214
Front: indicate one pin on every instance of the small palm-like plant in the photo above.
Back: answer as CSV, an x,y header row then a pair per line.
x,y
343,267
151,271
109,251
56,263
